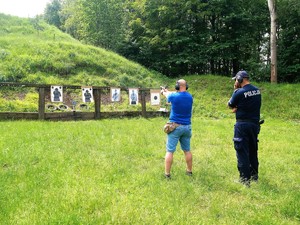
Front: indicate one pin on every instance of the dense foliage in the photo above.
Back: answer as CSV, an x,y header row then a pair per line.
x,y
189,37
289,40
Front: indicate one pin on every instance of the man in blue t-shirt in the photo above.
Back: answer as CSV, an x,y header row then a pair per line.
x,y
245,102
181,113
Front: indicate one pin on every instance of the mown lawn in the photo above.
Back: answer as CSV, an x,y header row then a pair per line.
x,y
111,172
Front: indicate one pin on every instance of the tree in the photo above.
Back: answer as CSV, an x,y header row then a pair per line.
x,y
288,42
100,23
178,37
273,40
51,13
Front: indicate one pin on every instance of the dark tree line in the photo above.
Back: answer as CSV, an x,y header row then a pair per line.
x,y
178,37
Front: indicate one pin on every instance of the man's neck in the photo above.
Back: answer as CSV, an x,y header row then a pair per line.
x,y
245,83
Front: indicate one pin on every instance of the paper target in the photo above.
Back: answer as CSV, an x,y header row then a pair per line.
x,y
56,94
115,94
155,97
133,96
87,94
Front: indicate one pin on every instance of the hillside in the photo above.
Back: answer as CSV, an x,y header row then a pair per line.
x,y
211,93
32,51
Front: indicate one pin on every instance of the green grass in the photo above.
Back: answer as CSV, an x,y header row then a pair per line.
x,y
110,172
32,51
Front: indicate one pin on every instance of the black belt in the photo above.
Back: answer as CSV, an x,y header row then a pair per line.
x,y
249,121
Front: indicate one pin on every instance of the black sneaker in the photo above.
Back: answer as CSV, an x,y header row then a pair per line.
x,y
189,173
244,181
167,176
254,178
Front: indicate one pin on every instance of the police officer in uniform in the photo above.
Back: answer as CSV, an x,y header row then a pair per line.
x,y
245,102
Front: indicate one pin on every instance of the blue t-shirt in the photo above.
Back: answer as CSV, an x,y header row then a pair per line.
x,y
181,107
247,100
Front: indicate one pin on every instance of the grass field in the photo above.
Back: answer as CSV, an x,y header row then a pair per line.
x,y
111,172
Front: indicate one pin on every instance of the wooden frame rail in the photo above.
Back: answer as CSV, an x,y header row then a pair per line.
x,y
77,115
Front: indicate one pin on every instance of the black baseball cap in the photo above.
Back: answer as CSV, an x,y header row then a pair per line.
x,y
241,74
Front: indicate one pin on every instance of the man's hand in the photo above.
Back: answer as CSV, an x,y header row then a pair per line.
x,y
163,90
233,110
236,85
166,92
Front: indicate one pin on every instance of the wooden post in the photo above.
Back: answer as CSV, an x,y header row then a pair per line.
x,y
143,102
41,103
97,99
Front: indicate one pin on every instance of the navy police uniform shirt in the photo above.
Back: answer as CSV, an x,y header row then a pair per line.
x,y
247,100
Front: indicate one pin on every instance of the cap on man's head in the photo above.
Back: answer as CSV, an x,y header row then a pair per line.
x,y
240,75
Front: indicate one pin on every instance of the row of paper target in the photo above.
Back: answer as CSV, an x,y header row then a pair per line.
x,y
115,95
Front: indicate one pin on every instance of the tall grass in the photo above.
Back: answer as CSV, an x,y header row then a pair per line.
x,y
32,51
111,172
211,94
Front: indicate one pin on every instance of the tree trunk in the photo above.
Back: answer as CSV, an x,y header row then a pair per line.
x,y
273,38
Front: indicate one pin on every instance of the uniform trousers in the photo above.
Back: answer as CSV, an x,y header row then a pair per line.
x,y
246,146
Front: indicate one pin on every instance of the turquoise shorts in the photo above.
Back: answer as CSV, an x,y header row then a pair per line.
x,y
183,134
